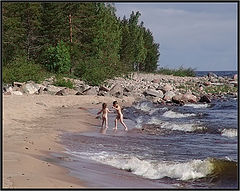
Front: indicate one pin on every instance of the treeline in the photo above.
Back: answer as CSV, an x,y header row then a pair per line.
x,y
85,40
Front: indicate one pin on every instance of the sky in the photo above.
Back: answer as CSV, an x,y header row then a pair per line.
x,y
202,36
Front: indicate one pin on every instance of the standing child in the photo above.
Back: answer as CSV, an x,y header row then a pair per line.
x,y
119,116
104,112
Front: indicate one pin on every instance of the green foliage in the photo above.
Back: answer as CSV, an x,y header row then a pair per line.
x,y
60,81
220,89
57,59
22,70
177,72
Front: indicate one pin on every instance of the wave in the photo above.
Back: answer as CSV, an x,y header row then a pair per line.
x,y
152,169
229,132
197,105
172,114
176,127
147,107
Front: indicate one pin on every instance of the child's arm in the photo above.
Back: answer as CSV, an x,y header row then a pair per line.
x,y
110,111
99,112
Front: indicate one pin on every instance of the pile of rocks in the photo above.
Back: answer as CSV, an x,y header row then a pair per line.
x,y
154,87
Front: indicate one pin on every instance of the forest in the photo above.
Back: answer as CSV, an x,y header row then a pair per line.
x,y
84,40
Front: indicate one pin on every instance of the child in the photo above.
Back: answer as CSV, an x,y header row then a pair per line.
x,y
104,111
119,116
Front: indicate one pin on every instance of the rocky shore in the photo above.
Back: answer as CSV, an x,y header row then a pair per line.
x,y
160,89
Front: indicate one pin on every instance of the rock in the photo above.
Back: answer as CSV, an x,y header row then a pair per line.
x,y
207,83
128,89
189,97
128,94
17,93
211,74
53,89
90,91
79,93
157,81
103,88
153,93
29,88
16,88
177,99
18,84
117,91
40,91
235,77
166,88
61,92
7,93
205,98
169,95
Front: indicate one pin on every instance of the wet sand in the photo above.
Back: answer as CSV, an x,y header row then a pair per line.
x,y
31,129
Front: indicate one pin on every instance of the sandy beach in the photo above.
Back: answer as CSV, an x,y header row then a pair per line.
x,y
31,128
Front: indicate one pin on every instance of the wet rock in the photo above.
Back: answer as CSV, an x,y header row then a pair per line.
x,y
205,99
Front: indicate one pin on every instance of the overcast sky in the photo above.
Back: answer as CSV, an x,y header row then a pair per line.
x,y
198,35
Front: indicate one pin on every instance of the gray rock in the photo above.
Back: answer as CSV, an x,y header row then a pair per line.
x,y
29,88
189,97
177,99
53,89
153,93
17,93
169,95
90,91
103,88
117,91
18,84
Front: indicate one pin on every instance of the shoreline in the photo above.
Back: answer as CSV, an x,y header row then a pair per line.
x,y
31,129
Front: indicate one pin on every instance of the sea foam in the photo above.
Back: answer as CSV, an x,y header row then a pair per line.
x,y
229,132
172,114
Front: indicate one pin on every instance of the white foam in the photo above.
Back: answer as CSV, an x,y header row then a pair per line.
x,y
197,105
155,121
144,106
155,169
229,132
182,127
172,114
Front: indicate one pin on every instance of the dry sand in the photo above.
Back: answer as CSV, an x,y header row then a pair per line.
x,y
31,128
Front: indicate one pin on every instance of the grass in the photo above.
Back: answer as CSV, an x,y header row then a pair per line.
x,y
220,89
177,72
60,81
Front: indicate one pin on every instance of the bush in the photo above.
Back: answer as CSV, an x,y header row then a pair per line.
x,y
177,72
60,81
22,70
92,72
57,59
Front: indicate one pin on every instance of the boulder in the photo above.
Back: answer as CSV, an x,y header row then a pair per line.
x,y
177,99
117,91
207,83
53,89
29,88
205,99
166,88
128,89
169,95
157,81
7,93
211,74
189,97
103,88
17,93
90,91
153,93
17,84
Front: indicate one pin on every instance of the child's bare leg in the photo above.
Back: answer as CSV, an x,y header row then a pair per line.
x,y
121,121
103,120
115,128
106,123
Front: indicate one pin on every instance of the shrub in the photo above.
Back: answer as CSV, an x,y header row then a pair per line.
x,y
60,81
177,72
22,70
57,59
